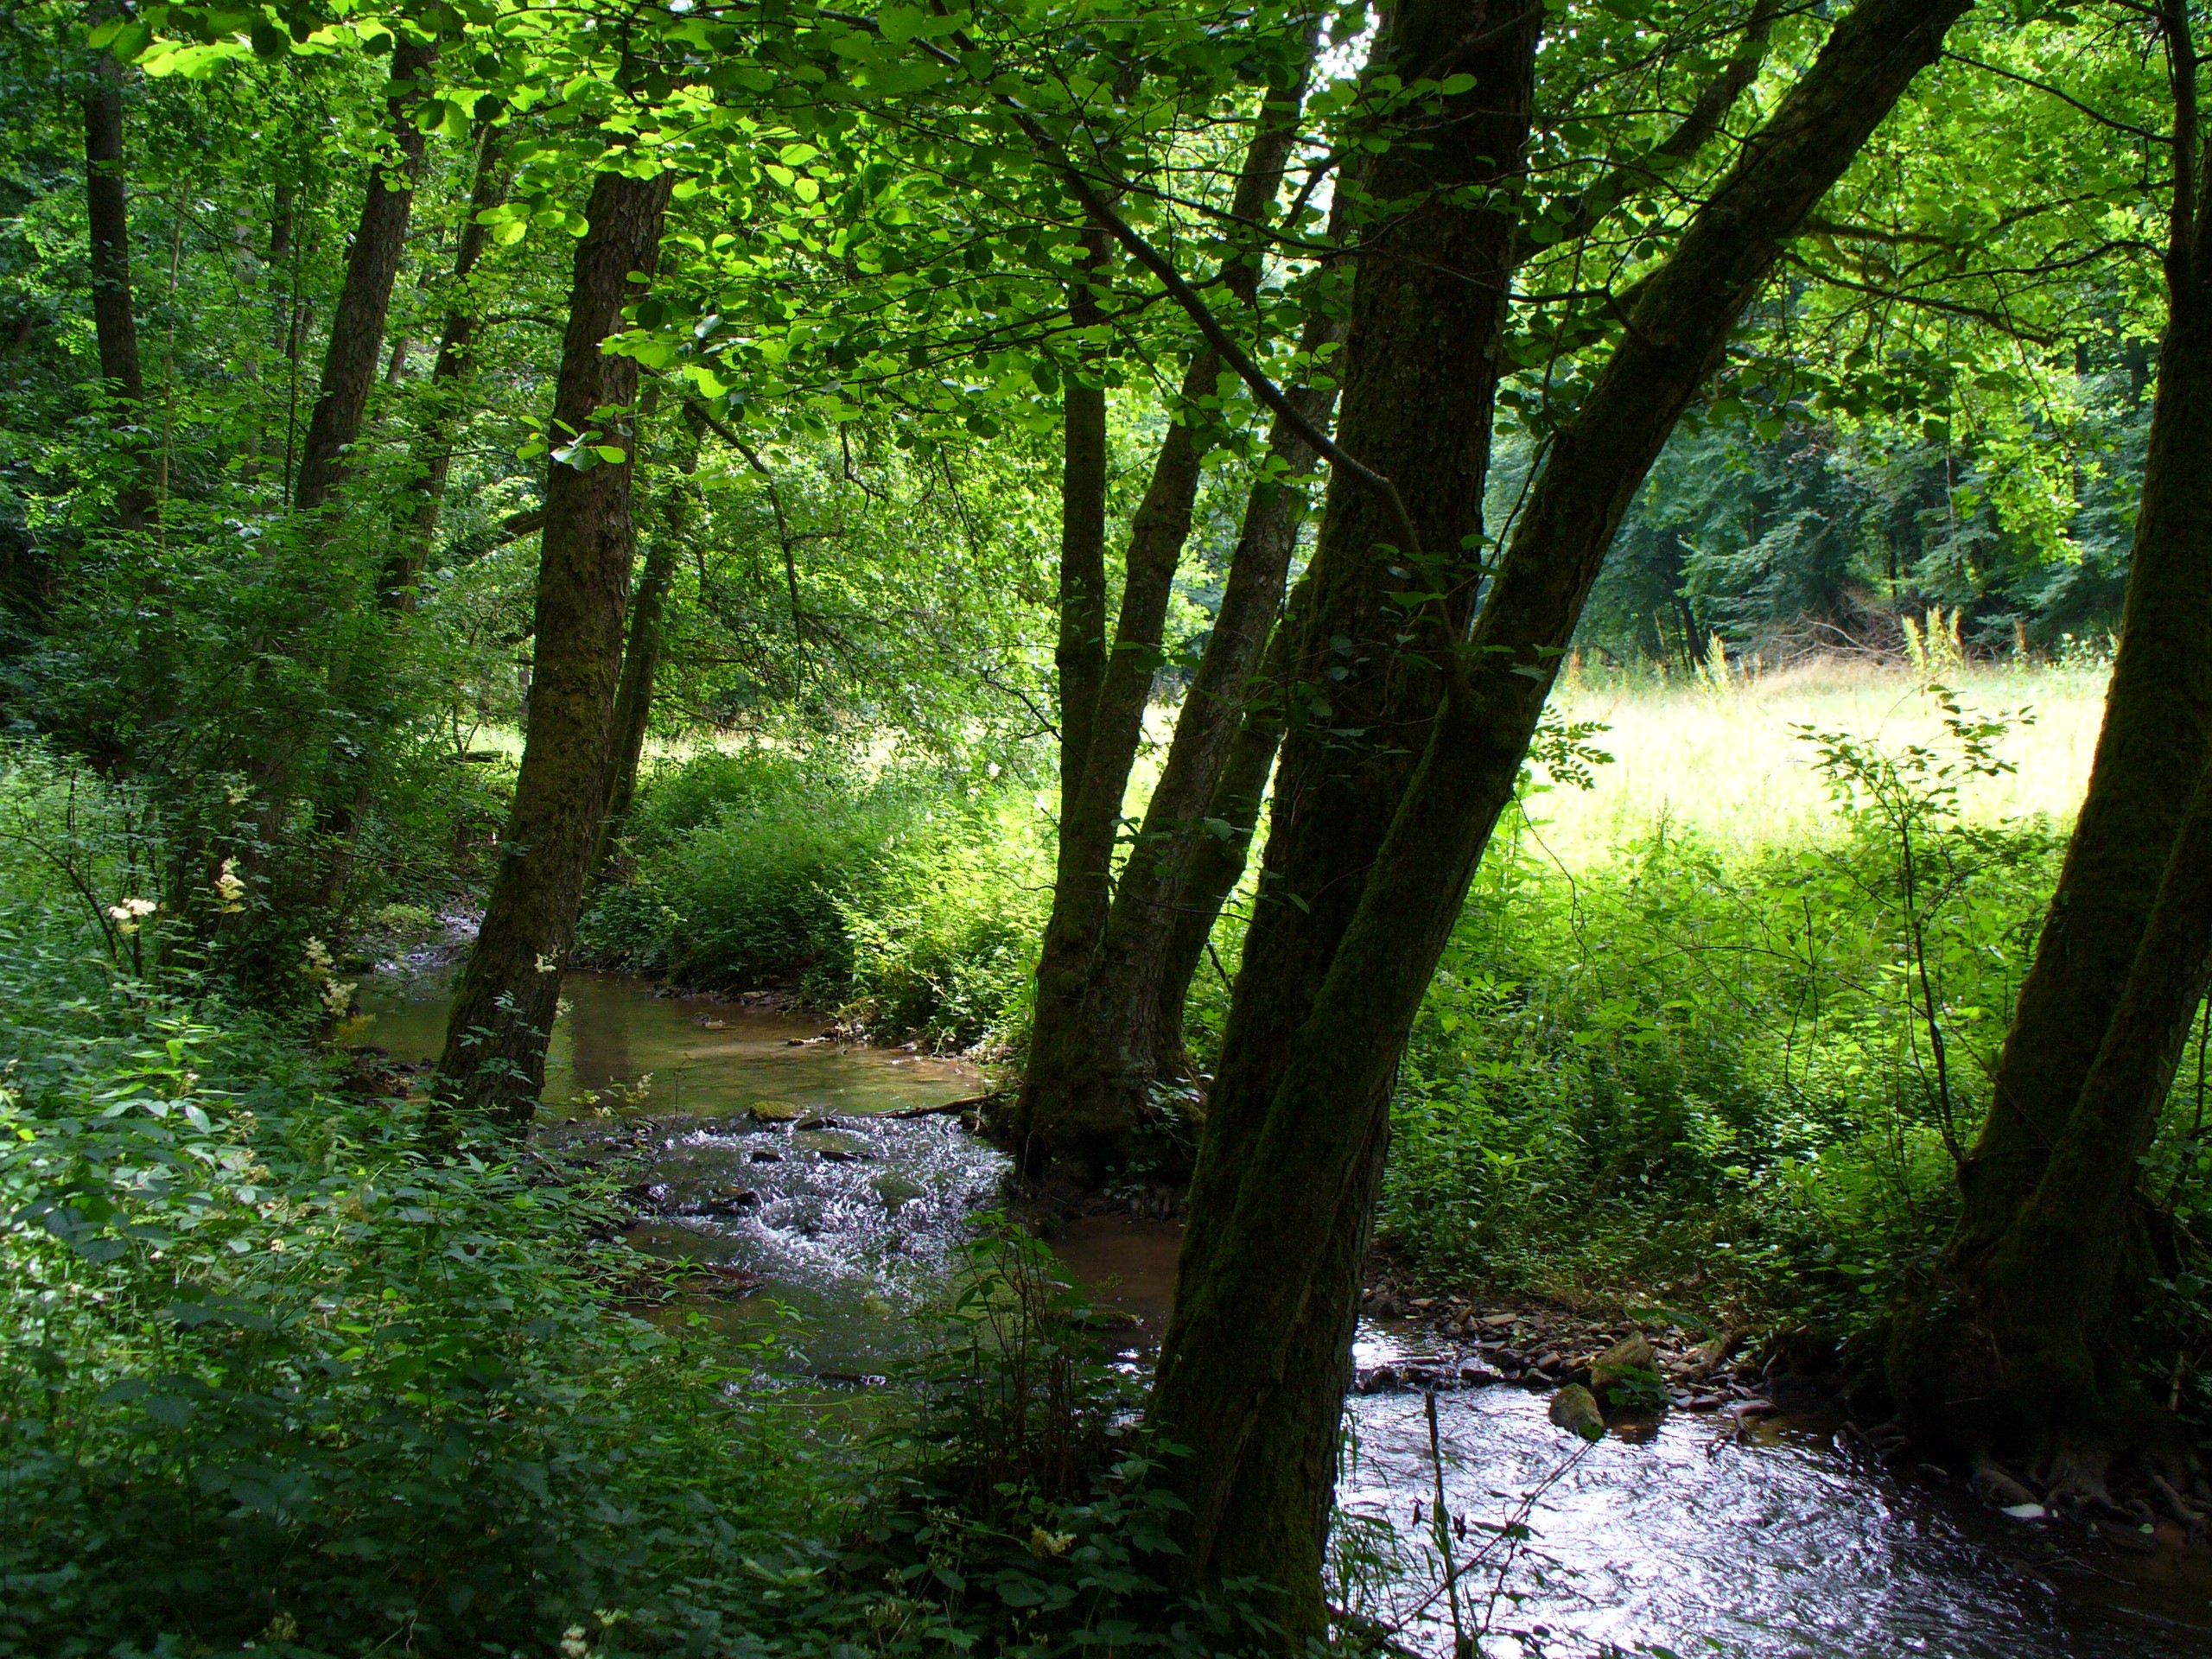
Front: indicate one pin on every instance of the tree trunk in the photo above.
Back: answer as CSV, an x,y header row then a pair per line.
x,y
1217,858
1079,654
403,571
2049,1291
1130,1030
349,366
634,697
495,1060
1058,1117
1956,1344
1358,898
114,322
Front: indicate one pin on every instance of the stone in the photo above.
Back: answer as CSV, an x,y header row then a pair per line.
x,y
775,1111
1610,1368
1575,1409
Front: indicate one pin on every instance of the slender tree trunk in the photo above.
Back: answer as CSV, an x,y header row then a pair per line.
x,y
1079,655
634,697
1217,858
495,1060
114,322
403,571
1106,1086
1257,1350
349,368
1055,1118
1987,1361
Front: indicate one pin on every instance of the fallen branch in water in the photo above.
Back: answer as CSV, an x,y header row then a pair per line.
x,y
950,1107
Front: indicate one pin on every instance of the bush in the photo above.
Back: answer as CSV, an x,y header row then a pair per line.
x,y
280,1377
1712,1072
910,908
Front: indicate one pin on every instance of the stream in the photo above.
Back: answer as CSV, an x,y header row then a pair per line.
x,y
772,1156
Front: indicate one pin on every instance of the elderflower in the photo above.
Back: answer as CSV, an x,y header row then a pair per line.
x,y
131,913
319,958
230,888
337,995
546,964
573,1644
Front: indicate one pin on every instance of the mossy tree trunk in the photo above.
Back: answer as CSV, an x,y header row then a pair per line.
x,y
1358,894
2049,1290
2155,743
493,1065
349,366
1061,1117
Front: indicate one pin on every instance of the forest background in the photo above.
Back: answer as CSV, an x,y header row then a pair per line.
x,y
285,299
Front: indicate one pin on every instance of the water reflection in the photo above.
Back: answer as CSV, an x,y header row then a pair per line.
x,y
702,1055
1699,1544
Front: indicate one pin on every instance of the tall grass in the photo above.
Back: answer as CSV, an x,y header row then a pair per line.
x,y
1729,765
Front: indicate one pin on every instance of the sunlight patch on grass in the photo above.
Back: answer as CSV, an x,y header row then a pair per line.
x,y
1731,766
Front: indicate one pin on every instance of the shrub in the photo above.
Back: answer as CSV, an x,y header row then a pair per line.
x,y
1692,1068
912,908
278,1377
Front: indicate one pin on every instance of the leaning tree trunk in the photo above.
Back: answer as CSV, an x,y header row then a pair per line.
x,y
1056,1118
1256,1354
349,366
115,324
495,1060
1428,304
1951,1344
2044,1378
402,570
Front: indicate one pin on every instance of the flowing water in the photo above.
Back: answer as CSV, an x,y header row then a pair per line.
x,y
1672,1536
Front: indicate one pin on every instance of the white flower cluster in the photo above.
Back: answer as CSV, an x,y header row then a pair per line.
x,y
337,993
131,914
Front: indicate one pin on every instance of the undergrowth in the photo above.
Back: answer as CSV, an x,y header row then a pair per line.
x,y
909,907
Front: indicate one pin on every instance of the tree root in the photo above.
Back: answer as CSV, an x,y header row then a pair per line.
x,y
1994,1484
2192,1521
2074,1478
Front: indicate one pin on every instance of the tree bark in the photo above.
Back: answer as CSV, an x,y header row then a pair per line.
x,y
1079,654
349,368
2049,1290
1256,1352
403,571
1056,1118
495,1061
114,322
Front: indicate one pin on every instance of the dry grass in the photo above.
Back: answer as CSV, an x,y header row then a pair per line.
x,y
1731,766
